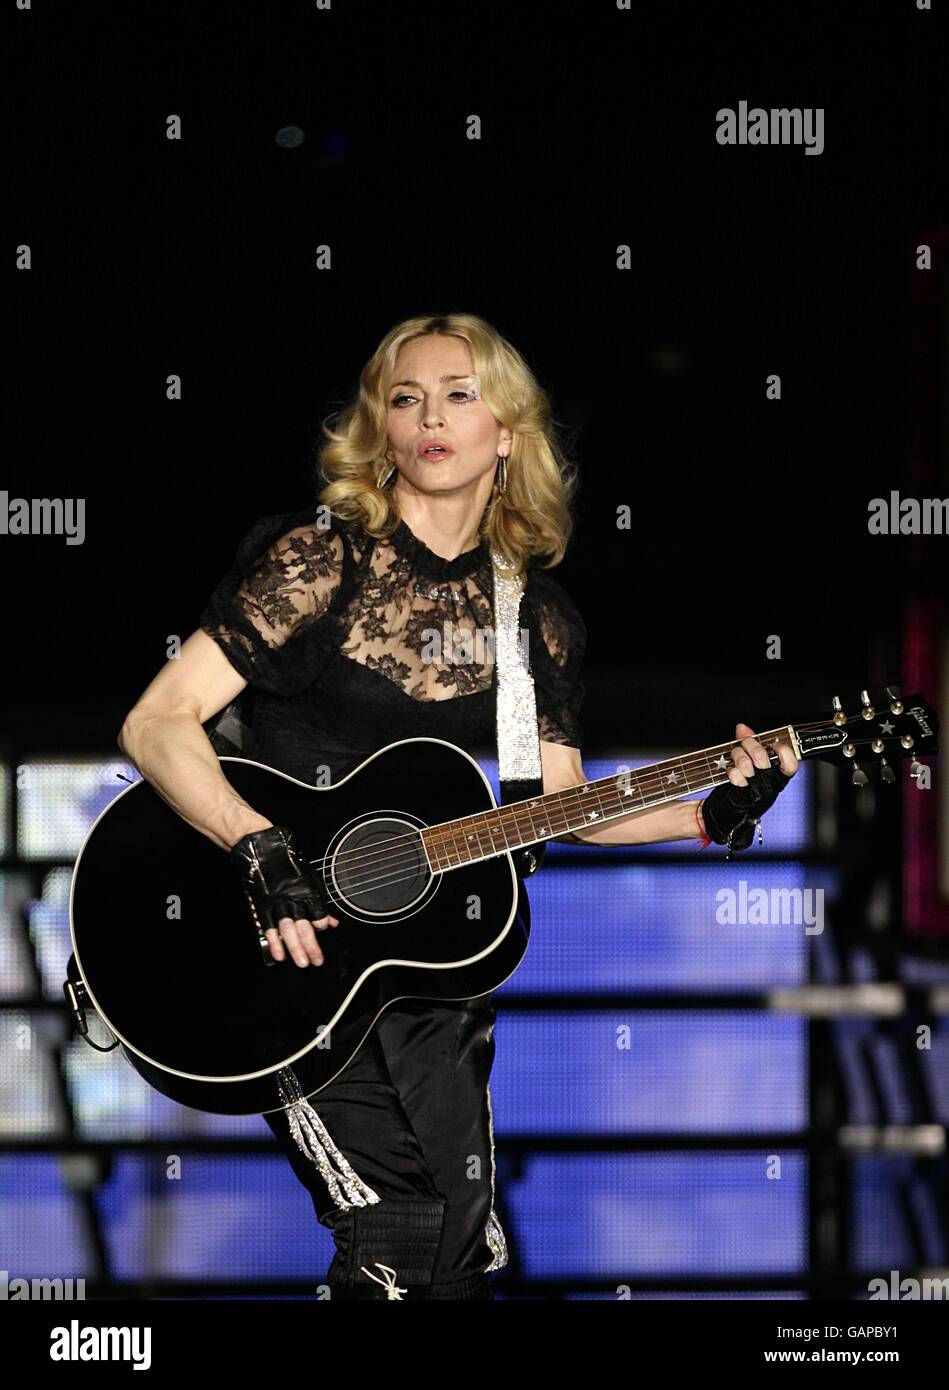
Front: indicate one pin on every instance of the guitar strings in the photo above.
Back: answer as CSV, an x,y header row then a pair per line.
x,y
382,850
402,860
689,762
652,780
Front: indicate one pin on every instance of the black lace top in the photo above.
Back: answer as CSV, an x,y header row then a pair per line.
x,y
348,643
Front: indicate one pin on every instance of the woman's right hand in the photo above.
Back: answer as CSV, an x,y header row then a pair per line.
x,y
286,894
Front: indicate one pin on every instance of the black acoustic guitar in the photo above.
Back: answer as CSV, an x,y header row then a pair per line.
x,y
416,860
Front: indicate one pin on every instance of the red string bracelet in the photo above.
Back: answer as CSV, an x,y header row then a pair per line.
x,y
706,839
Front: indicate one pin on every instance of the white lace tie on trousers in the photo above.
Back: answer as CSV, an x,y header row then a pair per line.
x,y
389,1283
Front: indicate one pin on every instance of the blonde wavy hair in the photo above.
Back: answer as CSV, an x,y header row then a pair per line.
x,y
531,517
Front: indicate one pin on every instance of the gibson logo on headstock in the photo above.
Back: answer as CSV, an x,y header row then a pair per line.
x,y
921,720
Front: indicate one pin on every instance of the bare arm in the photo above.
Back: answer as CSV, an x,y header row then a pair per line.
x,y
676,820
163,737
562,769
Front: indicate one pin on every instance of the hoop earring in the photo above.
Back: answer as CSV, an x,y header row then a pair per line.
x,y
383,481
502,473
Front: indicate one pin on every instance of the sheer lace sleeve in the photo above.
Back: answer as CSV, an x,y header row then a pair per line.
x,y
266,612
556,659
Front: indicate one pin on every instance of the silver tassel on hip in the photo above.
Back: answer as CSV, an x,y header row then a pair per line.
x,y
346,1187
494,1232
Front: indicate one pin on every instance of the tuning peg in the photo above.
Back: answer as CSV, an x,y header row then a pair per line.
x,y
896,704
915,769
859,778
886,772
868,711
839,716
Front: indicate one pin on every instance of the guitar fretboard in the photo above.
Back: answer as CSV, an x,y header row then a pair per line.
x,y
488,833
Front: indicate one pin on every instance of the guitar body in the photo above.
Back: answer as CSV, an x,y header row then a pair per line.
x,y
171,958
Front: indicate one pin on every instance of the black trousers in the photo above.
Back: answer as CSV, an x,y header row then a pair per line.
x,y
411,1112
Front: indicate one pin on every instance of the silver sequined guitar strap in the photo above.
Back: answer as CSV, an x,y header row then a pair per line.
x,y
518,741
520,772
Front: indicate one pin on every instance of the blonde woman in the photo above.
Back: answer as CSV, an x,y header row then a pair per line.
x,y
325,621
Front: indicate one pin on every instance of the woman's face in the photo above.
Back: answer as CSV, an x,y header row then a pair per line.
x,y
424,405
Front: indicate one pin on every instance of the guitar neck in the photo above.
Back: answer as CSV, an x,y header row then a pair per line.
x,y
487,834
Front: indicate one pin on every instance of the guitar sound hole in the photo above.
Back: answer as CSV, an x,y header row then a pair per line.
x,y
380,866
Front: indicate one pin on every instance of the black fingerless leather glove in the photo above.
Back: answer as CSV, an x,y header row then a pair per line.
x,y
276,882
730,812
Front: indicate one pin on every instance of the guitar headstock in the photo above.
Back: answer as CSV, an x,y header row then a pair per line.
x,y
880,733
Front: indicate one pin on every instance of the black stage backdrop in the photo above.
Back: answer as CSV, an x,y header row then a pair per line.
x,y
196,257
